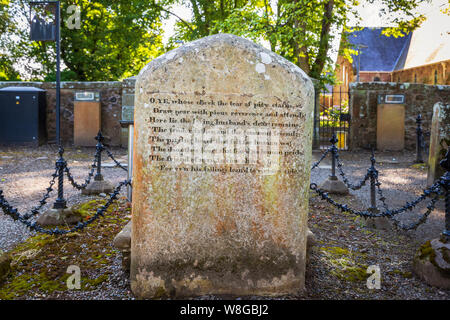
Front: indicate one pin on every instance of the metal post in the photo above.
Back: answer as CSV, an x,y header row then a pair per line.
x,y
99,147
130,125
419,142
60,202
373,198
333,141
445,182
130,160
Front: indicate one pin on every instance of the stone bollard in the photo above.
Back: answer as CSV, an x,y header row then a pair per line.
x,y
123,242
60,214
333,185
99,185
432,261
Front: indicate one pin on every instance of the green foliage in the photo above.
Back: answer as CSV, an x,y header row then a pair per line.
x,y
7,71
115,41
299,30
117,38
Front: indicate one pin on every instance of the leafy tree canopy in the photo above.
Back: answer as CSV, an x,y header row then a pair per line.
x,y
114,41
300,30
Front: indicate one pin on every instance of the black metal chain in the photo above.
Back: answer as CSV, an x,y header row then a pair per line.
x,y
354,187
14,213
316,164
88,179
434,189
414,225
42,202
118,164
343,207
381,196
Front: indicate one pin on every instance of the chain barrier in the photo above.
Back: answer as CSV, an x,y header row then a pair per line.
x,y
88,179
61,167
118,164
351,186
434,189
343,207
14,213
34,211
324,155
441,187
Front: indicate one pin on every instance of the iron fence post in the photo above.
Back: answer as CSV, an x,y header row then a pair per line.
x,y
99,147
445,183
60,202
373,172
333,141
419,142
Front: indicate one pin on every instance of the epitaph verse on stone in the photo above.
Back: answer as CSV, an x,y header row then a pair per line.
x,y
222,167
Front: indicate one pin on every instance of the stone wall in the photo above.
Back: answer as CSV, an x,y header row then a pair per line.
x,y
428,74
127,105
419,98
111,107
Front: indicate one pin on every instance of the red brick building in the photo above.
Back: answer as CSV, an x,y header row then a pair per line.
x,y
422,56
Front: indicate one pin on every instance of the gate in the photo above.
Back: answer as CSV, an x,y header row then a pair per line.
x,y
331,116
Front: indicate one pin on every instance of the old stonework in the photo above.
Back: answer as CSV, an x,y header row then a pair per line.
x,y
221,172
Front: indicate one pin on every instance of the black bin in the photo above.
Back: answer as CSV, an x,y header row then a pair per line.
x,y
22,116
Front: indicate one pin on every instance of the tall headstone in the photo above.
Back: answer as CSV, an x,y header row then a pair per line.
x,y
223,133
439,140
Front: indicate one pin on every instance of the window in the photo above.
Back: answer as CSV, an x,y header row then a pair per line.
x,y
376,79
415,77
435,76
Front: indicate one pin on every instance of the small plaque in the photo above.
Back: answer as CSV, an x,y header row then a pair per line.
x,y
87,96
391,99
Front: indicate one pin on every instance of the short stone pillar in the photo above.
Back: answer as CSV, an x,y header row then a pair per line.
x,y
222,158
99,185
332,184
439,141
431,263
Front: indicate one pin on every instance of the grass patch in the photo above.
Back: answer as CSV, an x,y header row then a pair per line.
x,y
39,265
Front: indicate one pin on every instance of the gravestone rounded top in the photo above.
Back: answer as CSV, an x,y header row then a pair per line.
x,y
222,158
225,63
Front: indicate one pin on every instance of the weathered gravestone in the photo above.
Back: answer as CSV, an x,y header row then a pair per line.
x,y
439,141
223,132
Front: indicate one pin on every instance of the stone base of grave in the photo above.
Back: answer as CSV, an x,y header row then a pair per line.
x,y
432,263
123,242
334,186
97,187
59,217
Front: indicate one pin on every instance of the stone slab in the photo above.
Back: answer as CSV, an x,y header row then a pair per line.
x,y
215,223
98,187
334,187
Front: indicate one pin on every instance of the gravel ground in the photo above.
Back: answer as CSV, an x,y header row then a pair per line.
x,y
337,264
25,174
